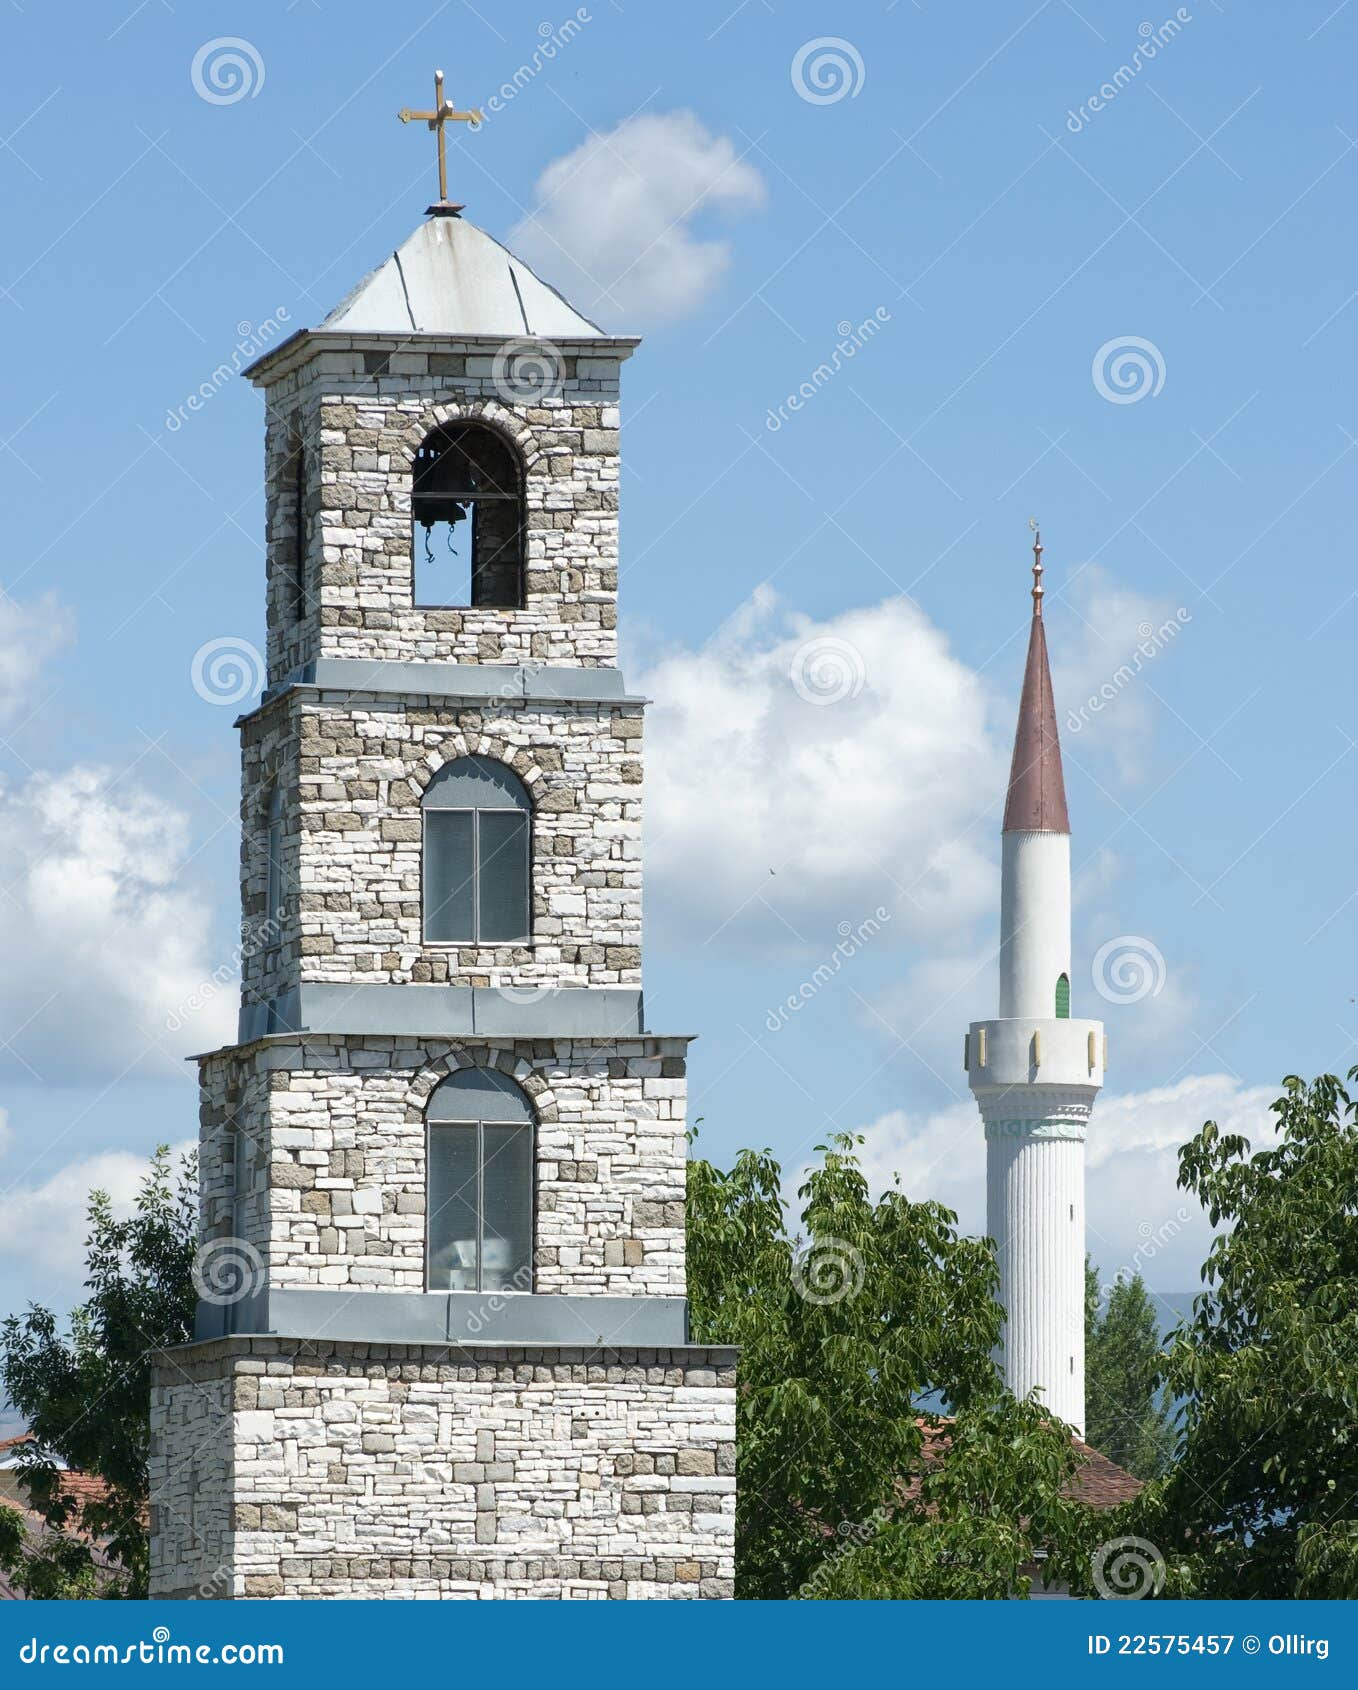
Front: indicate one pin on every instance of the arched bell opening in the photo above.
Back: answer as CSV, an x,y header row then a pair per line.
x,y
467,519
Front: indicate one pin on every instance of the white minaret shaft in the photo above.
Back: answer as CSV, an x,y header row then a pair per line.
x,y
1034,1071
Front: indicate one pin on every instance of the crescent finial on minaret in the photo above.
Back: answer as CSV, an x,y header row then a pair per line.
x,y
1037,566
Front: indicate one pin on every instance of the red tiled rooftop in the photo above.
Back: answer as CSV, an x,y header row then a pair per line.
x,y
1098,1482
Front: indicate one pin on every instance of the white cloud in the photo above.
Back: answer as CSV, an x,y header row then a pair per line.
x,y
767,800
772,818
612,224
1163,1117
102,941
858,758
43,1222
30,634
1137,1218
930,1004
1125,646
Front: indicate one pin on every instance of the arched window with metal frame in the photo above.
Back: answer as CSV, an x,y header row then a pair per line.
x,y
479,1197
477,835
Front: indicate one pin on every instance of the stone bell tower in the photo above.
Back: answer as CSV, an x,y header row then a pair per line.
x,y
442,1349
1034,1071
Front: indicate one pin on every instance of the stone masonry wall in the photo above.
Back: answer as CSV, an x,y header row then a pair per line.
x,y
363,414
353,770
292,561
414,1471
336,1158
190,1470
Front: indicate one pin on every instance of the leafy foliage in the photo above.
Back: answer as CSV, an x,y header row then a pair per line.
x,y
1126,1415
852,1344
86,1395
51,1567
1263,1501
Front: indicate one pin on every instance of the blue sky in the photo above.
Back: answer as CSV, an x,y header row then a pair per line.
x,y
1133,323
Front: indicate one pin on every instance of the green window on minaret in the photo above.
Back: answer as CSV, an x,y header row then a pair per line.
x,y
1063,997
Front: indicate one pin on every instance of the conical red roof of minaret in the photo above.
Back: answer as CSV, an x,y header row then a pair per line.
x,y
1037,789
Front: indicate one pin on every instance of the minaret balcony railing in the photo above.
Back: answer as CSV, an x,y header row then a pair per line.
x,y
1020,1052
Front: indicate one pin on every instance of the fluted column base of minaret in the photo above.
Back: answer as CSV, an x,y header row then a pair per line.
x,y
1035,1082
1035,1212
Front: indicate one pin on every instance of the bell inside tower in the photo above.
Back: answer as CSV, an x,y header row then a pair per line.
x,y
467,519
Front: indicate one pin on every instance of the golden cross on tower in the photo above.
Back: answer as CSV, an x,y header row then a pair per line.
x,y
444,112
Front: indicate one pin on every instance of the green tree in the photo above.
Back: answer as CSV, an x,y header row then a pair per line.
x,y
86,1395
1126,1416
1263,1500
853,1340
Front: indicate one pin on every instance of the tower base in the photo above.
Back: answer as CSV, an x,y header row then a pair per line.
x,y
285,1467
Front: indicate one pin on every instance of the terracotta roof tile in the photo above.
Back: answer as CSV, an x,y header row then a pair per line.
x,y
1101,1482
1098,1482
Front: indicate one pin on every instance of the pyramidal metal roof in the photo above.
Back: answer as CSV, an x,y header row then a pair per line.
x,y
451,278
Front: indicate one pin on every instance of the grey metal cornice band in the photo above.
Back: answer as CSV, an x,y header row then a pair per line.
x,y
447,1011
514,683
452,1317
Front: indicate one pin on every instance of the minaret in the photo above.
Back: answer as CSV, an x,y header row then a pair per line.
x,y
1034,1071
